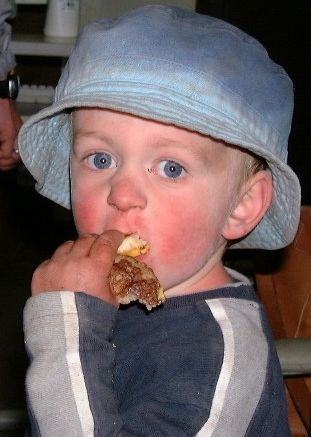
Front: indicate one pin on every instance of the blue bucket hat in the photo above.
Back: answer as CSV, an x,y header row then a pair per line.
x,y
178,67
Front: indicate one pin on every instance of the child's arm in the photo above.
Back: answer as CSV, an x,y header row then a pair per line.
x,y
69,380
67,331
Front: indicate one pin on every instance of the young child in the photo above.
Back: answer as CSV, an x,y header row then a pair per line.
x,y
173,125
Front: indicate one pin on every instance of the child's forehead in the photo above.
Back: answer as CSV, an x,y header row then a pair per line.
x,y
100,124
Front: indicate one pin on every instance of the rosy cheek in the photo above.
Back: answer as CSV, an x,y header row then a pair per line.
x,y
170,244
86,212
180,228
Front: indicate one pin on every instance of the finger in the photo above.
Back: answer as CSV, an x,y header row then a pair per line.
x,y
43,264
106,245
7,160
15,148
11,159
7,146
83,244
8,167
64,249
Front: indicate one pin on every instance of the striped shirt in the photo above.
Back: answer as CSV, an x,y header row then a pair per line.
x,y
203,364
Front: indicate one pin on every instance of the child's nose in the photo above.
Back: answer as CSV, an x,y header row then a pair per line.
x,y
126,193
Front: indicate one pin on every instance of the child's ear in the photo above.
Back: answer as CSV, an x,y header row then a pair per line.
x,y
252,203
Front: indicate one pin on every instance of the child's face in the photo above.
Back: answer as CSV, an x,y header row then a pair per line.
x,y
175,188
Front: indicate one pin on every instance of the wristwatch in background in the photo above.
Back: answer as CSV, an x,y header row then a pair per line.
x,y
10,86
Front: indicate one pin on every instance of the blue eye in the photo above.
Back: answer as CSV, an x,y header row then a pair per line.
x,y
101,161
171,169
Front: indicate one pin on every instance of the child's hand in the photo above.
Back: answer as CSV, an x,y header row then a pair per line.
x,y
81,265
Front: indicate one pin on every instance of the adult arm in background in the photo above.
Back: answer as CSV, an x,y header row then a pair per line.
x,y
10,120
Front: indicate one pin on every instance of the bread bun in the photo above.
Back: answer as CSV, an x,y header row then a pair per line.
x,y
133,245
131,279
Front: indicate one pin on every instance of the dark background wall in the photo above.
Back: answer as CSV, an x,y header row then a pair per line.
x,y
283,27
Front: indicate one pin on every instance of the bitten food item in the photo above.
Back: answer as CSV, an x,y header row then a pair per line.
x,y
133,280
133,245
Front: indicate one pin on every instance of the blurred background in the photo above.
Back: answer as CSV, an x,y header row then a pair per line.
x,y
31,227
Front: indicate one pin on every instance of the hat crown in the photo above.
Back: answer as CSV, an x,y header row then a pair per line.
x,y
195,57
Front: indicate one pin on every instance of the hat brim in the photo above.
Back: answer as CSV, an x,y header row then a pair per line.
x,y
48,136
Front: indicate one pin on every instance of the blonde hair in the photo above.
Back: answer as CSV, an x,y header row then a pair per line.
x,y
250,164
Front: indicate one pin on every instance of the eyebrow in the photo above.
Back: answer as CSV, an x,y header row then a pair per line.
x,y
84,133
197,151
88,133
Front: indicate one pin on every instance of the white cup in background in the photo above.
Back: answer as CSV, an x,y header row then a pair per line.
x,y
62,18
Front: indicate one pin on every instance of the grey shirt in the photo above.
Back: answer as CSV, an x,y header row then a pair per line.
x,y
7,60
